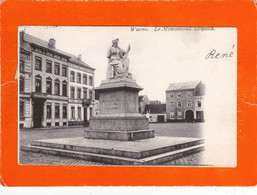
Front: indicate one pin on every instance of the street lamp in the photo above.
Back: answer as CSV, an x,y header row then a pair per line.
x,y
86,103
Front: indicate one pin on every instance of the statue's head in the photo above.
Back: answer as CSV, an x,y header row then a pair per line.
x,y
115,42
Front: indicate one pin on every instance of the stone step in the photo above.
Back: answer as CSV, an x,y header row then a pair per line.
x,y
113,148
116,160
169,156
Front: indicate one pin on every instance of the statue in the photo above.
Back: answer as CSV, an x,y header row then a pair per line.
x,y
118,63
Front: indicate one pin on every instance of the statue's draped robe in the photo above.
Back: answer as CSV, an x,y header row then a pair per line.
x,y
118,63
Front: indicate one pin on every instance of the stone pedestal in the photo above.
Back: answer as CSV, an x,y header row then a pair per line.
x,y
118,117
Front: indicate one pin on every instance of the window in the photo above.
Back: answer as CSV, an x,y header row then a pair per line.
x,y
79,78
22,67
64,88
57,68
199,104
48,111
85,92
79,112
180,114
38,84
21,109
172,115
90,80
72,76
57,111
171,95
79,93
22,82
49,85
73,112
85,79
64,71
90,94
189,104
179,104
72,92
38,63
48,66
64,111
171,104
179,95
57,87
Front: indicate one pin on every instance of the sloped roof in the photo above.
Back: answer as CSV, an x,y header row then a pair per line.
x,y
155,108
72,58
141,97
183,85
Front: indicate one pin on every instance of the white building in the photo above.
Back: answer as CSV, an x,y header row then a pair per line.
x,y
81,77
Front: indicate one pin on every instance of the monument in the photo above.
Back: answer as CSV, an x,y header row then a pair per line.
x,y
119,135
118,117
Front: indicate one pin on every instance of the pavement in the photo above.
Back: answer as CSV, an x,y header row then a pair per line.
x,y
165,129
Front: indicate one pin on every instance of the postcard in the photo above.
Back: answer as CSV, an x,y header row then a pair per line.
x,y
133,99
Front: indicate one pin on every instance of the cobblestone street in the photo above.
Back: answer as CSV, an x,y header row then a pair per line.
x,y
165,129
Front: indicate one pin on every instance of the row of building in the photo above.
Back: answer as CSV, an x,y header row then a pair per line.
x,y
184,102
52,85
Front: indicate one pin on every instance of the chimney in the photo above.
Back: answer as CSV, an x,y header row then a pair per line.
x,y
52,42
79,56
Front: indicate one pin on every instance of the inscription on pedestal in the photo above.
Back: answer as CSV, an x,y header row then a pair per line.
x,y
111,104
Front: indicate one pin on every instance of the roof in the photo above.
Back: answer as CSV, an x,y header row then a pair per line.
x,y
183,86
72,58
141,97
155,102
155,108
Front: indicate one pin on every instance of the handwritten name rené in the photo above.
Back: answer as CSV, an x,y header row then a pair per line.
x,y
213,54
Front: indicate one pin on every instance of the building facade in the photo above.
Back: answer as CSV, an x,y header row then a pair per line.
x,y
25,84
185,101
143,100
81,86
156,113
44,84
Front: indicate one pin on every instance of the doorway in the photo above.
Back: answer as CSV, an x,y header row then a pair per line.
x,y
38,110
160,118
189,116
200,116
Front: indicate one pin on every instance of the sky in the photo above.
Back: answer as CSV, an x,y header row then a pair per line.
x,y
159,57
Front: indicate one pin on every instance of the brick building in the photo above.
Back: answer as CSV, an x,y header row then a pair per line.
x,y
185,101
44,83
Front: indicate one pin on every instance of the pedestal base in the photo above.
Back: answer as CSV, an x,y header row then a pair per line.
x,y
155,151
118,117
119,135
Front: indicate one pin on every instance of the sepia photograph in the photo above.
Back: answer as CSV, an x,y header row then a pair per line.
x,y
127,96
